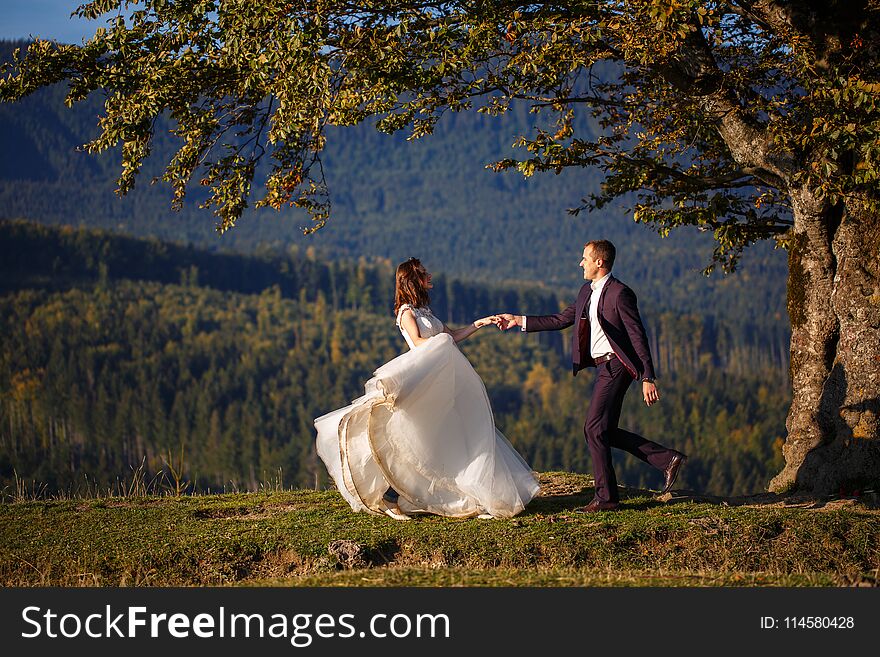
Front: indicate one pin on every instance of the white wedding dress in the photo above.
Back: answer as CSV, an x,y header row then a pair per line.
x,y
425,427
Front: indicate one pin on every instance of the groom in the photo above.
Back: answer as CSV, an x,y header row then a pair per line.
x,y
608,335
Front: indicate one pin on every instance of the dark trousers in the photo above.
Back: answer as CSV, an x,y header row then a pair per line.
x,y
602,432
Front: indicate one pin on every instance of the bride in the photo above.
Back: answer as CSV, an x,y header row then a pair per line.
x,y
422,439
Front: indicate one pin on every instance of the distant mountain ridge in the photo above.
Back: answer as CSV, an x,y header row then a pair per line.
x,y
392,199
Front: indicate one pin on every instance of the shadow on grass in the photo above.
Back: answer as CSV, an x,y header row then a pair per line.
x,y
806,501
550,504
565,492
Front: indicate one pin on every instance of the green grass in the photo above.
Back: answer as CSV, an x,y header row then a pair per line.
x,y
284,538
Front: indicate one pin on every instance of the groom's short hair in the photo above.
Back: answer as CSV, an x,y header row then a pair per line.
x,y
605,250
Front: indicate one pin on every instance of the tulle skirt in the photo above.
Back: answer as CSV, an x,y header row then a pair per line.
x,y
425,427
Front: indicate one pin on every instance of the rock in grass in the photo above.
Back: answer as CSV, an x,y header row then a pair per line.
x,y
349,554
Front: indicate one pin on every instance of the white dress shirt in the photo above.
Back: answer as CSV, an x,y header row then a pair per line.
x,y
599,345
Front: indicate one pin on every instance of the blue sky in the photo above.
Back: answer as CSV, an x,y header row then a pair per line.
x,y
47,19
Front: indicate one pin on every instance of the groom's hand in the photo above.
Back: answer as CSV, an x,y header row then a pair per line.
x,y
508,320
650,393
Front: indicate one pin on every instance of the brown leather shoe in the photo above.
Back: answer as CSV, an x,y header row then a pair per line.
x,y
671,471
596,505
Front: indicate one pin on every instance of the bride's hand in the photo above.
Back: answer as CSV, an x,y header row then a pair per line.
x,y
485,321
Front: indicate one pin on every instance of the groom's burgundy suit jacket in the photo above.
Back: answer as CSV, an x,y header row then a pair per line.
x,y
619,317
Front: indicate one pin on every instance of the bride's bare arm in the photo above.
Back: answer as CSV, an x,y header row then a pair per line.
x,y
408,322
460,334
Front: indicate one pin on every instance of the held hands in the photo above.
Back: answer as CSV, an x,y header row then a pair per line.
x,y
485,321
503,321
506,321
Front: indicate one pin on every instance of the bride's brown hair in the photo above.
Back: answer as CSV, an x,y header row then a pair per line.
x,y
411,285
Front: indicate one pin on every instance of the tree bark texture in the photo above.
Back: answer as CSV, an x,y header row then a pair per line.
x,y
833,443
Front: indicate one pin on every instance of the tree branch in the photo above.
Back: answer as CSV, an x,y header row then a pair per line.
x,y
768,14
695,72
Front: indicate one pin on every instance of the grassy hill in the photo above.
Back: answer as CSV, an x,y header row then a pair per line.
x,y
311,538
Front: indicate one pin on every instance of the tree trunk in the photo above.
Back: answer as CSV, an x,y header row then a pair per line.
x,y
833,442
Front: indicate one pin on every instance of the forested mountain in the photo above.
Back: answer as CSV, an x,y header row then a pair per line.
x,y
105,367
432,198
34,256
118,349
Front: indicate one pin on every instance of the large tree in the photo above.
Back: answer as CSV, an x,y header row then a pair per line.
x,y
755,119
